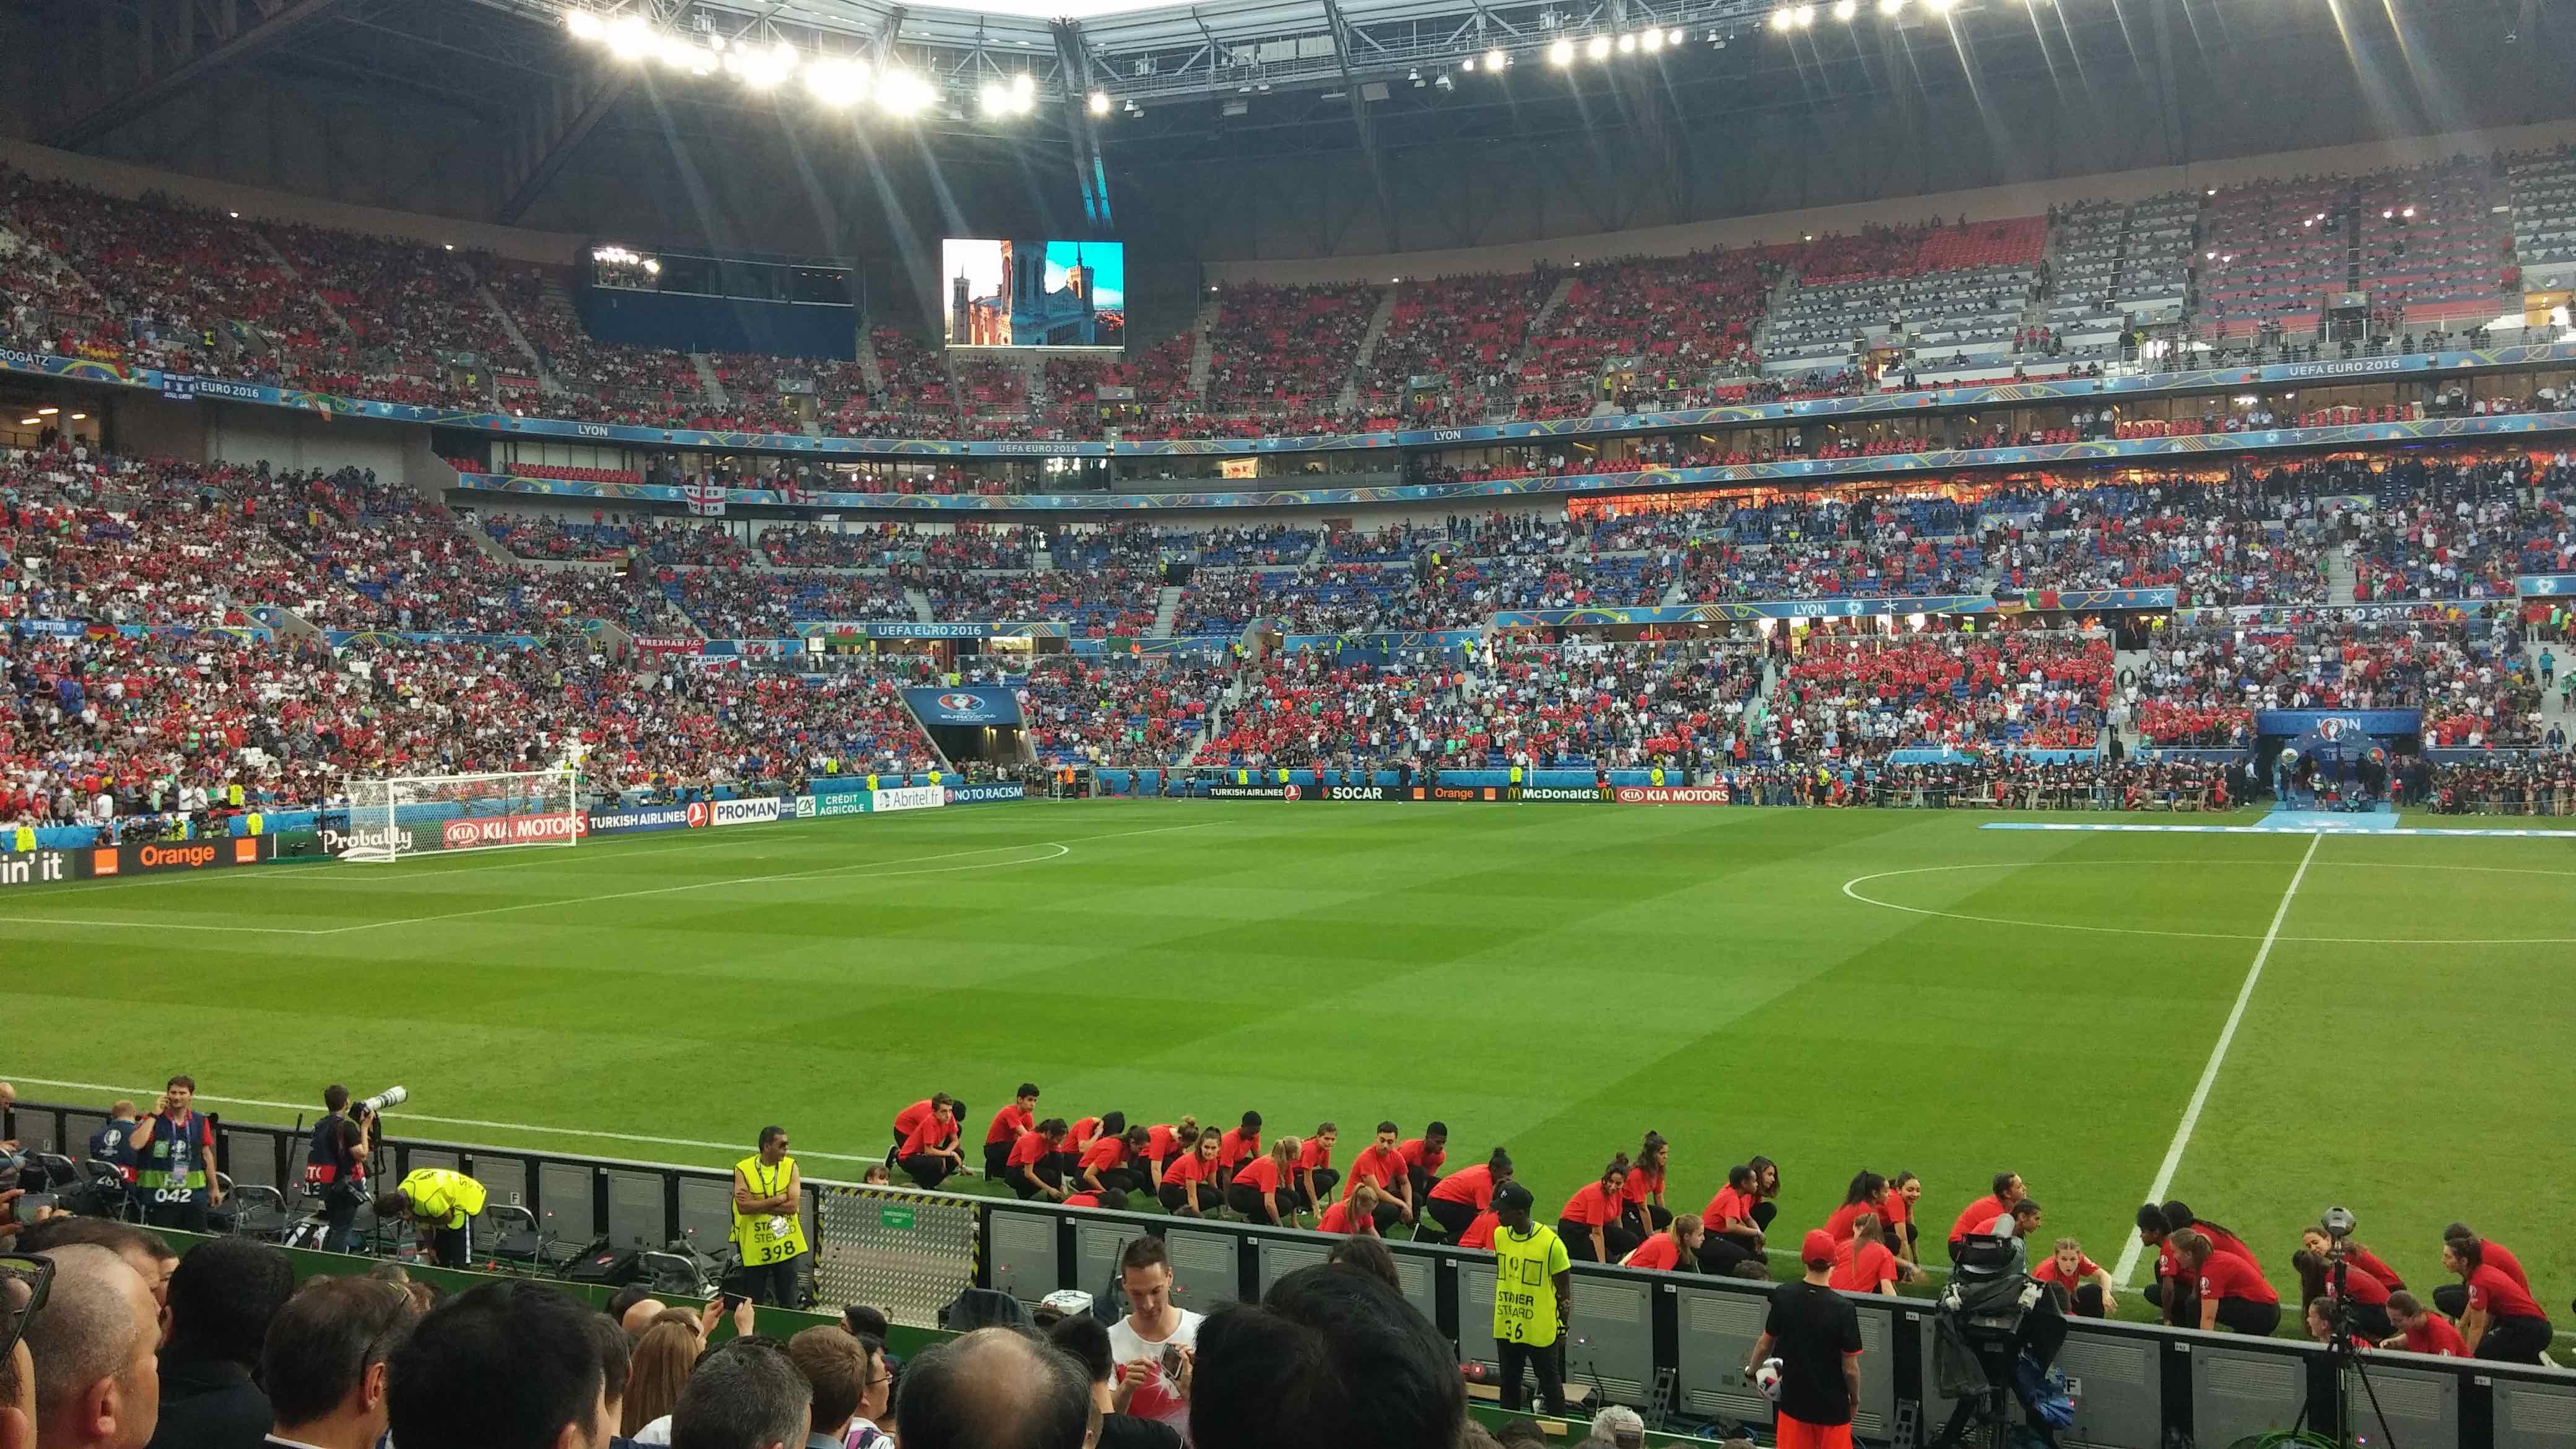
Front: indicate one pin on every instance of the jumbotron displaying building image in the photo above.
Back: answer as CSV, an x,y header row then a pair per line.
x,y
1035,293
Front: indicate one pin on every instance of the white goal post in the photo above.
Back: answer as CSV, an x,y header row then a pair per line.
x,y
398,815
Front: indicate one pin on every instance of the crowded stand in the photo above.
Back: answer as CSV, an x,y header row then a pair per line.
x,y
1695,314
1461,333
1119,711
750,603
1099,603
2471,677
1861,698
1285,352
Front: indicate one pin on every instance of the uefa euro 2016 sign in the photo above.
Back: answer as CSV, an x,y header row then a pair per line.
x,y
964,708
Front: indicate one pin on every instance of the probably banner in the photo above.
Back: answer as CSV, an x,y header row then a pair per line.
x,y
963,707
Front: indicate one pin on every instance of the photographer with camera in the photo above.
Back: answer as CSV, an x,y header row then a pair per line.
x,y
174,1152
335,1164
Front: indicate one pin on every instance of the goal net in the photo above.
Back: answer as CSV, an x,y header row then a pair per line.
x,y
398,815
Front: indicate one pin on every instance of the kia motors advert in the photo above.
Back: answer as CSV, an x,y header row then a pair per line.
x,y
488,830
1672,795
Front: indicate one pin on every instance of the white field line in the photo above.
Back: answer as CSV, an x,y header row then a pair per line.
x,y
2217,1058
1062,849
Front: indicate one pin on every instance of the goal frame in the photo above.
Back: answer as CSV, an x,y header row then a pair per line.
x,y
378,833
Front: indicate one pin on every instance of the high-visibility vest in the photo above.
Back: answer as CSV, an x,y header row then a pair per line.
x,y
767,1238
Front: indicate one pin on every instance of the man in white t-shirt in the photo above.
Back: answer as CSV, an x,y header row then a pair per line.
x,y
1156,1345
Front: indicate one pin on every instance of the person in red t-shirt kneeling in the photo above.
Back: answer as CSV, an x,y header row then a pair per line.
x,y
2233,1294
2083,1287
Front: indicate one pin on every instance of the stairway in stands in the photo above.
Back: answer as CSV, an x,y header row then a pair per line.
x,y
1167,611
1349,397
869,371
1203,348
2342,579
707,380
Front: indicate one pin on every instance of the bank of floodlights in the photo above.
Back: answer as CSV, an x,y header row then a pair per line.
x,y
834,82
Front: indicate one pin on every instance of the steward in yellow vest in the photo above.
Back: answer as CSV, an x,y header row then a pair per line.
x,y
768,1223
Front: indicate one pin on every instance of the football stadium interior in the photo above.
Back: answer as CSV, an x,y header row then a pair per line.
x,y
818,623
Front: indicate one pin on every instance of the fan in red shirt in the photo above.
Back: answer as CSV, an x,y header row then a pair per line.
x,y
1316,1176
1644,1212
1423,1158
1189,1179
1110,1163
1381,1165
2453,1298
1263,1189
1164,1141
1238,1146
1355,1214
1896,1214
928,1152
2083,1287
1031,1168
1590,1223
913,1116
1020,1116
1978,1215
1862,1263
1866,1195
1675,1249
1736,1213
2233,1294
1456,1199
2419,1331
2503,1321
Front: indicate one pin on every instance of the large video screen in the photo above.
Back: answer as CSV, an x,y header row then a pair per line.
x,y
1034,293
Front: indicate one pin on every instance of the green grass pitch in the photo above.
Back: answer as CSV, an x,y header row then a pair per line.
x,y
1837,989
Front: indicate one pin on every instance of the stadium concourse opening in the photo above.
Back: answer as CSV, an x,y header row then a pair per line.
x,y
980,723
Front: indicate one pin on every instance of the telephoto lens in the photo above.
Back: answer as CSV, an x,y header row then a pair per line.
x,y
389,1097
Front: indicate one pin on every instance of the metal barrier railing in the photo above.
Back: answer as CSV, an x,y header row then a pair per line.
x,y
1670,1341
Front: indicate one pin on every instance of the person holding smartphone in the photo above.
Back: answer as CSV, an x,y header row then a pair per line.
x,y
174,1150
1156,1344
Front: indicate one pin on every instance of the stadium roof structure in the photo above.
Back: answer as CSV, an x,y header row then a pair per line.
x,y
1112,86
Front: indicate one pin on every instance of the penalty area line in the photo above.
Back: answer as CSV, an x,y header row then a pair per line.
x,y
2217,1058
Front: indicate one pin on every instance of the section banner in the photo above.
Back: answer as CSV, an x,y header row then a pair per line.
x,y
1467,793
848,802
2335,723
760,811
485,830
970,707
908,797
172,855
655,817
1256,792
35,868
1672,795
979,794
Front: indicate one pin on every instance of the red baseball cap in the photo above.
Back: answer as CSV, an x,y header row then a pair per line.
x,y
1819,1251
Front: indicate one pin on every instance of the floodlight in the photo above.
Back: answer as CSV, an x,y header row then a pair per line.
x,y
1100,103
584,25
1844,10
1495,60
1561,53
1599,49
1627,45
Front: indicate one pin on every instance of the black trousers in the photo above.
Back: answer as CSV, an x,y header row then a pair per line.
x,y
1578,1240
997,1158
1124,1179
1517,1358
2246,1316
1176,1198
2084,1302
1028,1181
1326,1179
928,1170
1449,1216
452,1247
340,1221
2515,1340
2452,1299
777,1283
1244,1198
2178,1299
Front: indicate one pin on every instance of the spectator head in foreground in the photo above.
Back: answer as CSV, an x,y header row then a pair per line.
x,y
327,1357
222,1298
143,1252
98,1382
837,1367
1620,1426
745,1394
995,1388
18,1292
504,1366
1329,1356
633,1307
